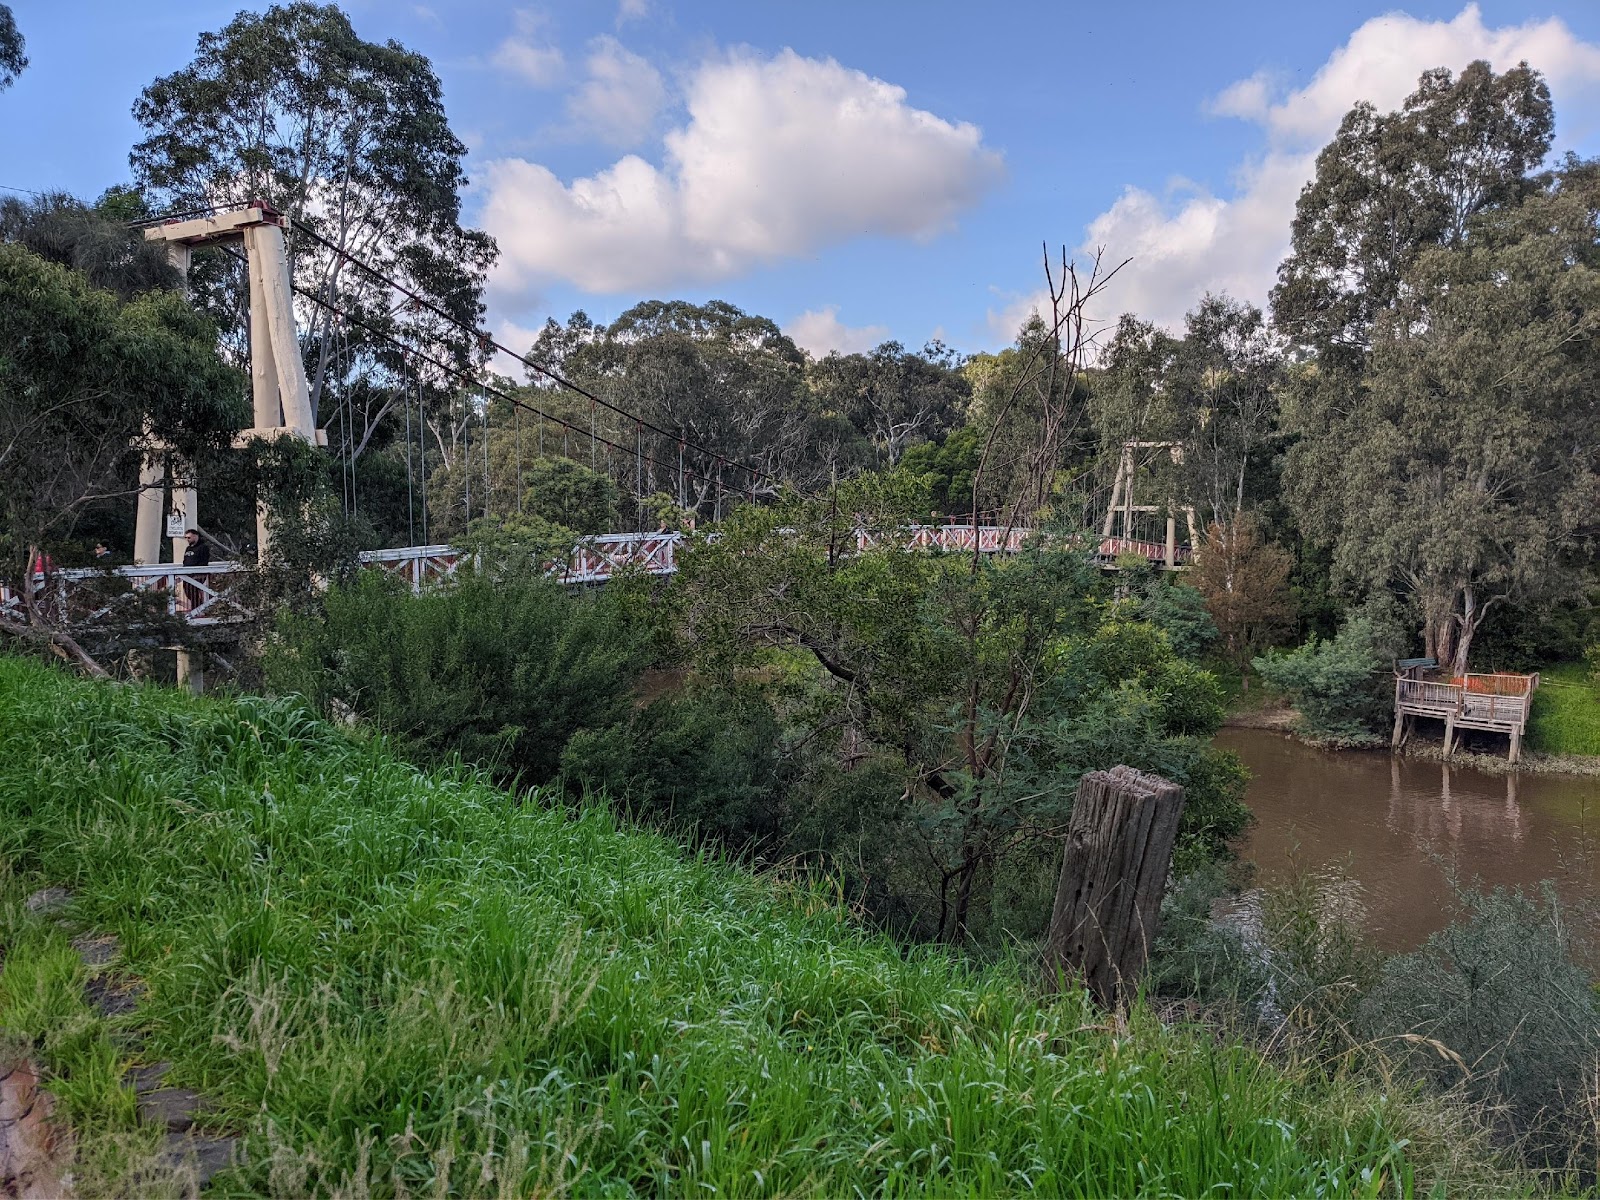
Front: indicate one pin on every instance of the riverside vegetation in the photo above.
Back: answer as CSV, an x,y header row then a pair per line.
x,y
396,980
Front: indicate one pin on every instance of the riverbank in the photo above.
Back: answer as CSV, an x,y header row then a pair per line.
x,y
380,978
1534,762
1563,736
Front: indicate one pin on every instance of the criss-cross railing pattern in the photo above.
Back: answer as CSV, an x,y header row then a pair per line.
x,y
208,595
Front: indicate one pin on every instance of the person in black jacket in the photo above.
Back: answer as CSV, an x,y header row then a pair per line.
x,y
195,554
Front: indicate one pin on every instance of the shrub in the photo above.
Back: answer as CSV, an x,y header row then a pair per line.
x,y
1341,687
501,672
705,764
1507,1015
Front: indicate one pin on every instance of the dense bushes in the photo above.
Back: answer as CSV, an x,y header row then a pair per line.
x,y
1342,687
500,671
916,729
704,765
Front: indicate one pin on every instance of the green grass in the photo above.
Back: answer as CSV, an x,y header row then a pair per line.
x,y
397,981
1566,711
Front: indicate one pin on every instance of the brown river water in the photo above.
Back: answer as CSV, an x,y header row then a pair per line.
x,y
1395,826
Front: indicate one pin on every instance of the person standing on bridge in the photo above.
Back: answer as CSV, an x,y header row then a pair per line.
x,y
196,554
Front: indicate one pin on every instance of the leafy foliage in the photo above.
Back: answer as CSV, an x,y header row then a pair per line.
x,y
12,58
704,765
965,694
499,670
893,398
1342,686
1174,607
1390,185
1244,579
91,241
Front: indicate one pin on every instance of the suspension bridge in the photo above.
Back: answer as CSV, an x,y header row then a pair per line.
x,y
283,405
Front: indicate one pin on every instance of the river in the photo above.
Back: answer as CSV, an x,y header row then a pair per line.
x,y
1394,825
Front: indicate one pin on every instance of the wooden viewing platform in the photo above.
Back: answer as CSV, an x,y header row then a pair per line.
x,y
1498,703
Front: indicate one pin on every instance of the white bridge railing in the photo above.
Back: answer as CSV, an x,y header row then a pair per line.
x,y
207,595
200,595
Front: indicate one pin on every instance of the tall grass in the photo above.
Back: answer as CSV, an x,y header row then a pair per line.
x,y
1566,711
402,981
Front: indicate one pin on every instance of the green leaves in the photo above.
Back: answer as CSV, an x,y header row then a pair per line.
x,y
1390,185
500,668
80,373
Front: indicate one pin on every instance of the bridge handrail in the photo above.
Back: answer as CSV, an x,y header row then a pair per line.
x,y
199,594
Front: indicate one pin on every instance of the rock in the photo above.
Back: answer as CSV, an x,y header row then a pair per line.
x,y
33,1150
96,951
173,1107
147,1078
113,997
48,900
205,1154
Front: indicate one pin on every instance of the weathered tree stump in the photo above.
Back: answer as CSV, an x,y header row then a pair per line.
x,y
1113,873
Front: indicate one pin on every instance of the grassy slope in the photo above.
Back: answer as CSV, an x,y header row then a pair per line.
x,y
399,980
1566,711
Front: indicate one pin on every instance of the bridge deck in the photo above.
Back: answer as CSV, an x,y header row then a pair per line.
x,y
207,596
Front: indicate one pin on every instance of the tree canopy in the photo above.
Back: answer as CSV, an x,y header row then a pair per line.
x,y
1461,469
12,58
1390,185
348,137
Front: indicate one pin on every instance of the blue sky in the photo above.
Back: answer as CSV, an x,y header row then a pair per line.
x,y
855,171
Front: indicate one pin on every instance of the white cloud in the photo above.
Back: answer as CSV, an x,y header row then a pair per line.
x,y
820,331
529,54
778,158
1247,99
619,101
520,338
1190,241
632,10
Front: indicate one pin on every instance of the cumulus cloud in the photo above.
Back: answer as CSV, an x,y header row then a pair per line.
x,y
632,10
618,103
779,157
1188,241
820,331
529,54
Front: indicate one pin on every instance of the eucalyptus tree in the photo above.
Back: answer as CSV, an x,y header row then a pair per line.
x,y
1462,470
1227,389
724,389
350,138
1213,391
895,398
12,58
1390,185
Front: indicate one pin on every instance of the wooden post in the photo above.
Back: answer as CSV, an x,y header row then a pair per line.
x,y
1113,874
1449,732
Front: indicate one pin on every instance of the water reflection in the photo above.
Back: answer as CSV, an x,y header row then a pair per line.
x,y
1396,826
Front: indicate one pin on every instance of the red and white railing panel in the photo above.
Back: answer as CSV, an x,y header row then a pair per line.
x,y
1156,552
